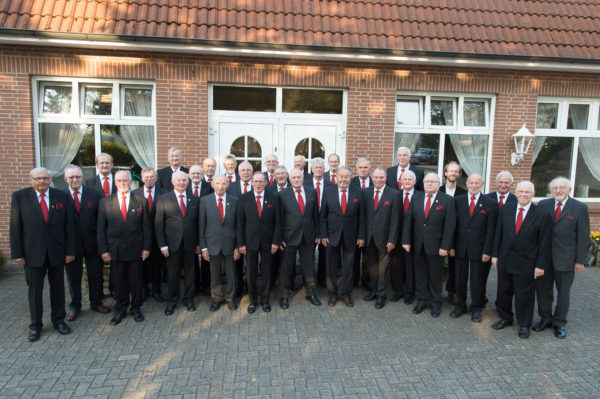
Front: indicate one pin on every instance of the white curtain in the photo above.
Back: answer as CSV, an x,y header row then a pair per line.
x,y
408,140
140,141
590,151
60,143
471,151
578,116
537,147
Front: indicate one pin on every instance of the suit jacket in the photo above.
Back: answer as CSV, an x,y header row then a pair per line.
x,y
382,224
236,188
205,188
163,177
31,238
214,235
259,233
172,228
322,187
356,182
237,177
474,234
274,188
152,211
522,253
95,183
296,226
570,233
124,240
434,233
458,191
350,225
86,220
327,176
392,176
510,199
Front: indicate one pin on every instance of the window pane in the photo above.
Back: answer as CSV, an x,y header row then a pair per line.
x,y
442,113
426,151
312,101
238,147
57,99
474,113
578,116
113,143
587,177
470,151
547,114
230,98
138,102
98,100
254,150
553,159
310,148
408,112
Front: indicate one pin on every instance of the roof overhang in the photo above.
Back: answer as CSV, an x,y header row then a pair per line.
x,y
272,50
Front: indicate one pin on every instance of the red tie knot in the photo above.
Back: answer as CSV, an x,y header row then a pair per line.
x,y
258,197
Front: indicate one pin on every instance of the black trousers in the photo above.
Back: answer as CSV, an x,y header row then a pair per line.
x,y
201,275
322,266
522,287
152,270
409,274
360,272
544,288
255,293
222,290
34,276
378,266
307,261
398,271
175,261
74,270
451,283
128,282
428,278
473,272
340,265
276,267
239,276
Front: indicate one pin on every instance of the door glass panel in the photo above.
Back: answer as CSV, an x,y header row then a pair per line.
x,y
57,100
310,148
553,159
233,98
113,143
247,148
254,149
237,148
312,101
427,148
98,100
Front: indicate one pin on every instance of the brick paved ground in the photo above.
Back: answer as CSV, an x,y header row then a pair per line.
x,y
304,352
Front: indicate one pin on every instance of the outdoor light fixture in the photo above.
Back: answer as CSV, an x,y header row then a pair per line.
x,y
523,139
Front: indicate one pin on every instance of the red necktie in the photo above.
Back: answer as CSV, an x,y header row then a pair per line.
x,y
427,205
210,179
318,192
344,202
333,179
258,206
376,201
76,200
472,205
400,179
230,179
196,191
220,208
270,180
280,188
106,187
300,201
44,207
557,211
406,203
149,199
519,221
501,201
182,205
245,187
363,184
124,208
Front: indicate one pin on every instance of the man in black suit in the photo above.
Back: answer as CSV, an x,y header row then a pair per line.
x,y
176,227
281,183
281,179
199,187
164,175
218,241
259,233
394,173
209,166
151,267
362,180
104,181
85,201
521,253
382,205
429,232
300,231
299,163
124,240
475,226
407,193
570,240
42,239
452,171
342,230
229,164
271,161
333,161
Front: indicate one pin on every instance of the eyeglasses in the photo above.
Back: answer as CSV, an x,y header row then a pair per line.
x,y
40,178
74,177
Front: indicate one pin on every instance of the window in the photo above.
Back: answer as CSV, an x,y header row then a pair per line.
x,y
567,143
439,128
310,148
239,98
247,148
76,119
312,101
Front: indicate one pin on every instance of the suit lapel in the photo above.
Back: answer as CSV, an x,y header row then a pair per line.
x,y
527,220
564,211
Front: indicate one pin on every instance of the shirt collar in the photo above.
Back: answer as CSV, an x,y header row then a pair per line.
x,y
73,191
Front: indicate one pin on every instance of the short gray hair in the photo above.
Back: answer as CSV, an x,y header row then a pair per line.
x,y
505,172
566,179
39,169
345,168
148,170
318,160
72,167
280,167
361,160
174,149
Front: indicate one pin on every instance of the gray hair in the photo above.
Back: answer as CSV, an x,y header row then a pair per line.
x,y
127,172
318,160
439,179
174,149
302,156
403,148
148,170
333,155
245,163
361,160
505,172
37,170
72,167
103,154
563,178
280,167
197,167
380,168
410,173
344,168
526,183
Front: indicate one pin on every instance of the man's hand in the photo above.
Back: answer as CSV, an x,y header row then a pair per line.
x,y
69,258
105,257
325,241
452,253
443,252
197,249
282,246
274,248
165,252
360,243
317,241
485,258
145,255
406,247
236,254
495,263
242,249
20,261
205,255
390,246
538,272
579,267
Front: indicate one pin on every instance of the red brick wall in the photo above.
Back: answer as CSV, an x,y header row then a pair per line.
x,y
182,101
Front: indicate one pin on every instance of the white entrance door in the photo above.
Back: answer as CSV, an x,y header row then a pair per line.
x,y
249,140
311,138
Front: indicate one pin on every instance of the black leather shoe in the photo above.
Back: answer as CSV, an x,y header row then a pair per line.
x,y
371,296
157,296
231,305
456,313
380,303
313,299
191,307
117,318
409,300
396,297
419,308
34,334
62,328
541,326
169,310
214,306
500,324
435,312
559,332
284,303
476,317
524,332
138,315
266,307
251,308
